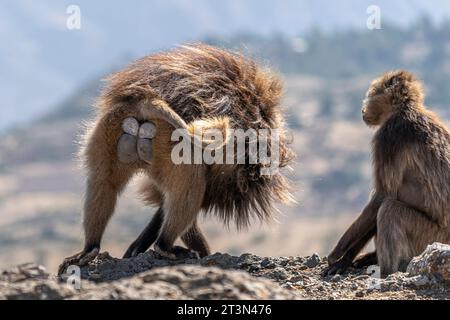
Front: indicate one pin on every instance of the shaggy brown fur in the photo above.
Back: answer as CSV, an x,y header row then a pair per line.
x,y
410,207
194,87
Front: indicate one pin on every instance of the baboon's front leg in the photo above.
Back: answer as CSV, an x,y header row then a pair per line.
x,y
355,238
342,264
194,239
107,176
147,236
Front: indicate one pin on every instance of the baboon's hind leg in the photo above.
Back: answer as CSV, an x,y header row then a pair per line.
x,y
147,236
107,175
181,208
194,239
402,234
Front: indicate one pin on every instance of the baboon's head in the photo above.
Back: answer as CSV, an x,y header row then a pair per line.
x,y
392,92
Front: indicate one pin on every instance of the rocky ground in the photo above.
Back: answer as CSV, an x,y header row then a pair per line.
x,y
222,276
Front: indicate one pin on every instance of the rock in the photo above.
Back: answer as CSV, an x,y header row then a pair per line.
x,y
221,276
267,263
278,274
248,259
313,261
24,272
225,261
179,282
335,278
359,294
418,281
297,280
433,263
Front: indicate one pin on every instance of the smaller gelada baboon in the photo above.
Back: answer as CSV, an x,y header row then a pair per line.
x,y
410,205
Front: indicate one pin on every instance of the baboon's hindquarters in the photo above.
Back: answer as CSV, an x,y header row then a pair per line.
x,y
136,141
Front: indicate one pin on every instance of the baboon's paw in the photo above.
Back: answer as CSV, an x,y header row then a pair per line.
x,y
339,267
165,253
183,253
177,253
79,259
127,148
365,260
130,253
136,248
130,126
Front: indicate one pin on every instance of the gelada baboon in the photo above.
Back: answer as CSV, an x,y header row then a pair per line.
x,y
194,87
410,204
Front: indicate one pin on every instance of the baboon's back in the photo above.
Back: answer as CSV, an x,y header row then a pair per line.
x,y
200,80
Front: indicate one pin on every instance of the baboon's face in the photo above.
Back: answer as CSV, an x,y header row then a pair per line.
x,y
377,106
390,93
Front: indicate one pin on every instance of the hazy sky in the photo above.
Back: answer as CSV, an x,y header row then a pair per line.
x,y
42,61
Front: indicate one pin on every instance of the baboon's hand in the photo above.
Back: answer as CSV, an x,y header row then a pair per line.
x,y
332,259
365,260
79,259
335,255
338,267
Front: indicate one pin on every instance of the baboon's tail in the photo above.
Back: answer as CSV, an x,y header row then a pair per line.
x,y
195,130
158,109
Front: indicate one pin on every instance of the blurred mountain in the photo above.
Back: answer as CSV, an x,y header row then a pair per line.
x,y
41,61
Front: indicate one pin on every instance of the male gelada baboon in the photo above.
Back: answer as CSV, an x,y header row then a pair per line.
x,y
410,204
194,87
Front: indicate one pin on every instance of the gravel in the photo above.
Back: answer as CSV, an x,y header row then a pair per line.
x,y
222,276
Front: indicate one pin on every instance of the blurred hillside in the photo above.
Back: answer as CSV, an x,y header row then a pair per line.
x,y
326,76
